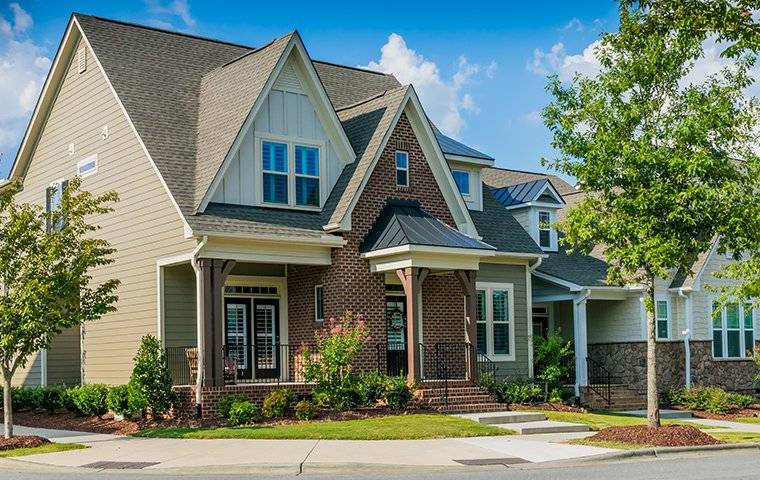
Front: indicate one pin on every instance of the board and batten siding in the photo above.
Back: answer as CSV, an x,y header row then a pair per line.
x,y
144,227
286,113
516,275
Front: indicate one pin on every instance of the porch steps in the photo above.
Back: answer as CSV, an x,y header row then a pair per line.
x,y
622,397
526,423
461,399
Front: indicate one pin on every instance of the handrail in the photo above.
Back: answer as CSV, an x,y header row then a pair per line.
x,y
599,380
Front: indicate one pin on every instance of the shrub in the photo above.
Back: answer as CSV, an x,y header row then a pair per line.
x,y
740,400
242,413
225,404
398,393
89,399
151,376
50,398
550,356
487,382
337,345
372,387
305,410
709,399
276,403
518,392
22,398
126,400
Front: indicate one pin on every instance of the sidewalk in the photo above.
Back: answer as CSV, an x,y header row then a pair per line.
x,y
300,455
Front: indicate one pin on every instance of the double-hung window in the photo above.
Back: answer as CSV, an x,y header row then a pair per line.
x,y
402,168
733,330
544,229
274,164
462,179
662,317
307,176
495,321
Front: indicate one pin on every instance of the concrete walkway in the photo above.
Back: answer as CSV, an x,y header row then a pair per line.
x,y
298,455
726,426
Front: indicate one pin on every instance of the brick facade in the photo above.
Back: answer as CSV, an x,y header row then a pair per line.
x,y
185,406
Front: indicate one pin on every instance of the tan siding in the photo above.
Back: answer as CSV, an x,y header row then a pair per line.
x,y
63,358
702,298
179,306
144,227
30,375
613,320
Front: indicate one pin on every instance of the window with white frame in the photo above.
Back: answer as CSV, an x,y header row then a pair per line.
x,y
319,303
53,197
495,320
662,318
87,166
290,174
733,330
544,229
402,168
462,179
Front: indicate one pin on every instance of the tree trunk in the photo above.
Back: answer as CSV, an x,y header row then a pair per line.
x,y
653,404
7,405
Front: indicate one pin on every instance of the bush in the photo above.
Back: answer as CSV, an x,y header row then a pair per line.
x,y
225,404
372,387
151,376
551,360
709,399
337,345
305,410
126,400
518,392
740,400
276,403
49,398
242,413
89,399
398,393
22,398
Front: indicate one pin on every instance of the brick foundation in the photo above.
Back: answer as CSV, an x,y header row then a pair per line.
x,y
185,407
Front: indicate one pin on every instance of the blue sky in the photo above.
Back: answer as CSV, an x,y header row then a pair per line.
x,y
480,71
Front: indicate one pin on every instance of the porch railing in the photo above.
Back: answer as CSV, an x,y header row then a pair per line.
x,y
599,380
391,358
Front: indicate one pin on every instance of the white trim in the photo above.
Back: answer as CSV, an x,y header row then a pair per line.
x,y
669,318
573,287
403,169
85,161
44,367
696,283
290,147
471,160
188,230
529,306
489,287
550,228
161,314
468,194
384,252
724,330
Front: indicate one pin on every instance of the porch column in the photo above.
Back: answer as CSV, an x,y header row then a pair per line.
x,y
412,278
467,281
214,272
581,341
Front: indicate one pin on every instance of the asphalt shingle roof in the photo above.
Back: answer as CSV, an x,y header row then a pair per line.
x,y
404,222
499,228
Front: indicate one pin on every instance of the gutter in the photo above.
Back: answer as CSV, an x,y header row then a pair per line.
x,y
199,322
684,293
538,263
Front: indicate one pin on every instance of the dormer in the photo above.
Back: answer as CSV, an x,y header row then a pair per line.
x,y
534,204
466,164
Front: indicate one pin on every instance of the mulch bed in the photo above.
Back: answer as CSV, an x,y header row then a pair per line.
x,y
753,411
665,436
559,407
22,441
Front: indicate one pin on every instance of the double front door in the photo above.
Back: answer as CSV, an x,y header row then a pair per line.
x,y
252,336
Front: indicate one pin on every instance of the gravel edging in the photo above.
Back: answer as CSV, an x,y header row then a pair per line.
x,y
661,451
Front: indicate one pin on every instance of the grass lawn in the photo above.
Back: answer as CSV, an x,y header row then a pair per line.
x,y
599,419
47,448
737,437
746,420
399,427
607,444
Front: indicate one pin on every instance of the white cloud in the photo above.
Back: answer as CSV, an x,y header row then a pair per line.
x,y
574,25
174,8
22,21
533,118
556,60
491,69
445,100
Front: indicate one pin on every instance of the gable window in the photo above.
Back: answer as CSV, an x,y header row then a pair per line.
x,y
402,168
307,176
319,303
274,163
544,229
662,317
733,331
88,166
462,179
495,325
53,196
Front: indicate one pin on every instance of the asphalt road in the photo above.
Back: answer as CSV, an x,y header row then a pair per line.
x,y
715,466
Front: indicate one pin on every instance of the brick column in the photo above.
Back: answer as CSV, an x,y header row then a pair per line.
x,y
412,279
467,279
214,272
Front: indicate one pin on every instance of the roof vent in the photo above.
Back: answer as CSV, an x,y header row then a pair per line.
x,y
82,59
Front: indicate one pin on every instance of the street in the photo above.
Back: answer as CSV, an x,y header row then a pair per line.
x,y
718,465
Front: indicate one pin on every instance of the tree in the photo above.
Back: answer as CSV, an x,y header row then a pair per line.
x,y
654,150
46,275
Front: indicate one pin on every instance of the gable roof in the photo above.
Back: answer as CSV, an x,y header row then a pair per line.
x,y
498,227
504,177
525,193
404,222
449,146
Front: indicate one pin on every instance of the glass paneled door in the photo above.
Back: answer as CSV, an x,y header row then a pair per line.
x,y
266,337
395,312
237,335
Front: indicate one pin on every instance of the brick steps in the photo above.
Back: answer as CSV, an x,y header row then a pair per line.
x,y
463,397
621,398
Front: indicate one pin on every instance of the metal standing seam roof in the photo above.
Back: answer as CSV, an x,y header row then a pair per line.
x,y
450,146
404,222
498,227
520,193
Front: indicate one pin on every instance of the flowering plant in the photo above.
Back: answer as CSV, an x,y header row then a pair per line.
x,y
337,344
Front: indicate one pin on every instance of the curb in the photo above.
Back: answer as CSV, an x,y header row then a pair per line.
x,y
663,451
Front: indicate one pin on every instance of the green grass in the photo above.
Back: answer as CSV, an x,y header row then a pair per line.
x,y
737,437
746,420
600,419
47,448
607,444
399,427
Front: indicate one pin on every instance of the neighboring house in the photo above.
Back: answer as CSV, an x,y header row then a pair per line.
x,y
263,192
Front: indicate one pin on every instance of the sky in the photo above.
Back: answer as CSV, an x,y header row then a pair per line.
x,y
479,69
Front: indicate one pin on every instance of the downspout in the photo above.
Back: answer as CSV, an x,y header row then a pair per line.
x,y
199,324
687,335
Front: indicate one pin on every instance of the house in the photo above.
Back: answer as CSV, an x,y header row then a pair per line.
x,y
263,192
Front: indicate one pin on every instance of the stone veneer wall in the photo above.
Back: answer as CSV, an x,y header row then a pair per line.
x,y
627,365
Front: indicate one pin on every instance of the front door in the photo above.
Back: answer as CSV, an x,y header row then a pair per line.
x,y
395,312
266,338
237,335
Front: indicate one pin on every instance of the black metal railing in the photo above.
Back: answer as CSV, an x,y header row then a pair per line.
x,y
599,380
265,362
568,369
392,358
182,363
486,367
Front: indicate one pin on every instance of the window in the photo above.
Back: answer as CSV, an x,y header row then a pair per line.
x,y
319,303
53,196
402,169
88,166
274,164
662,317
307,176
733,331
495,328
544,229
462,179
